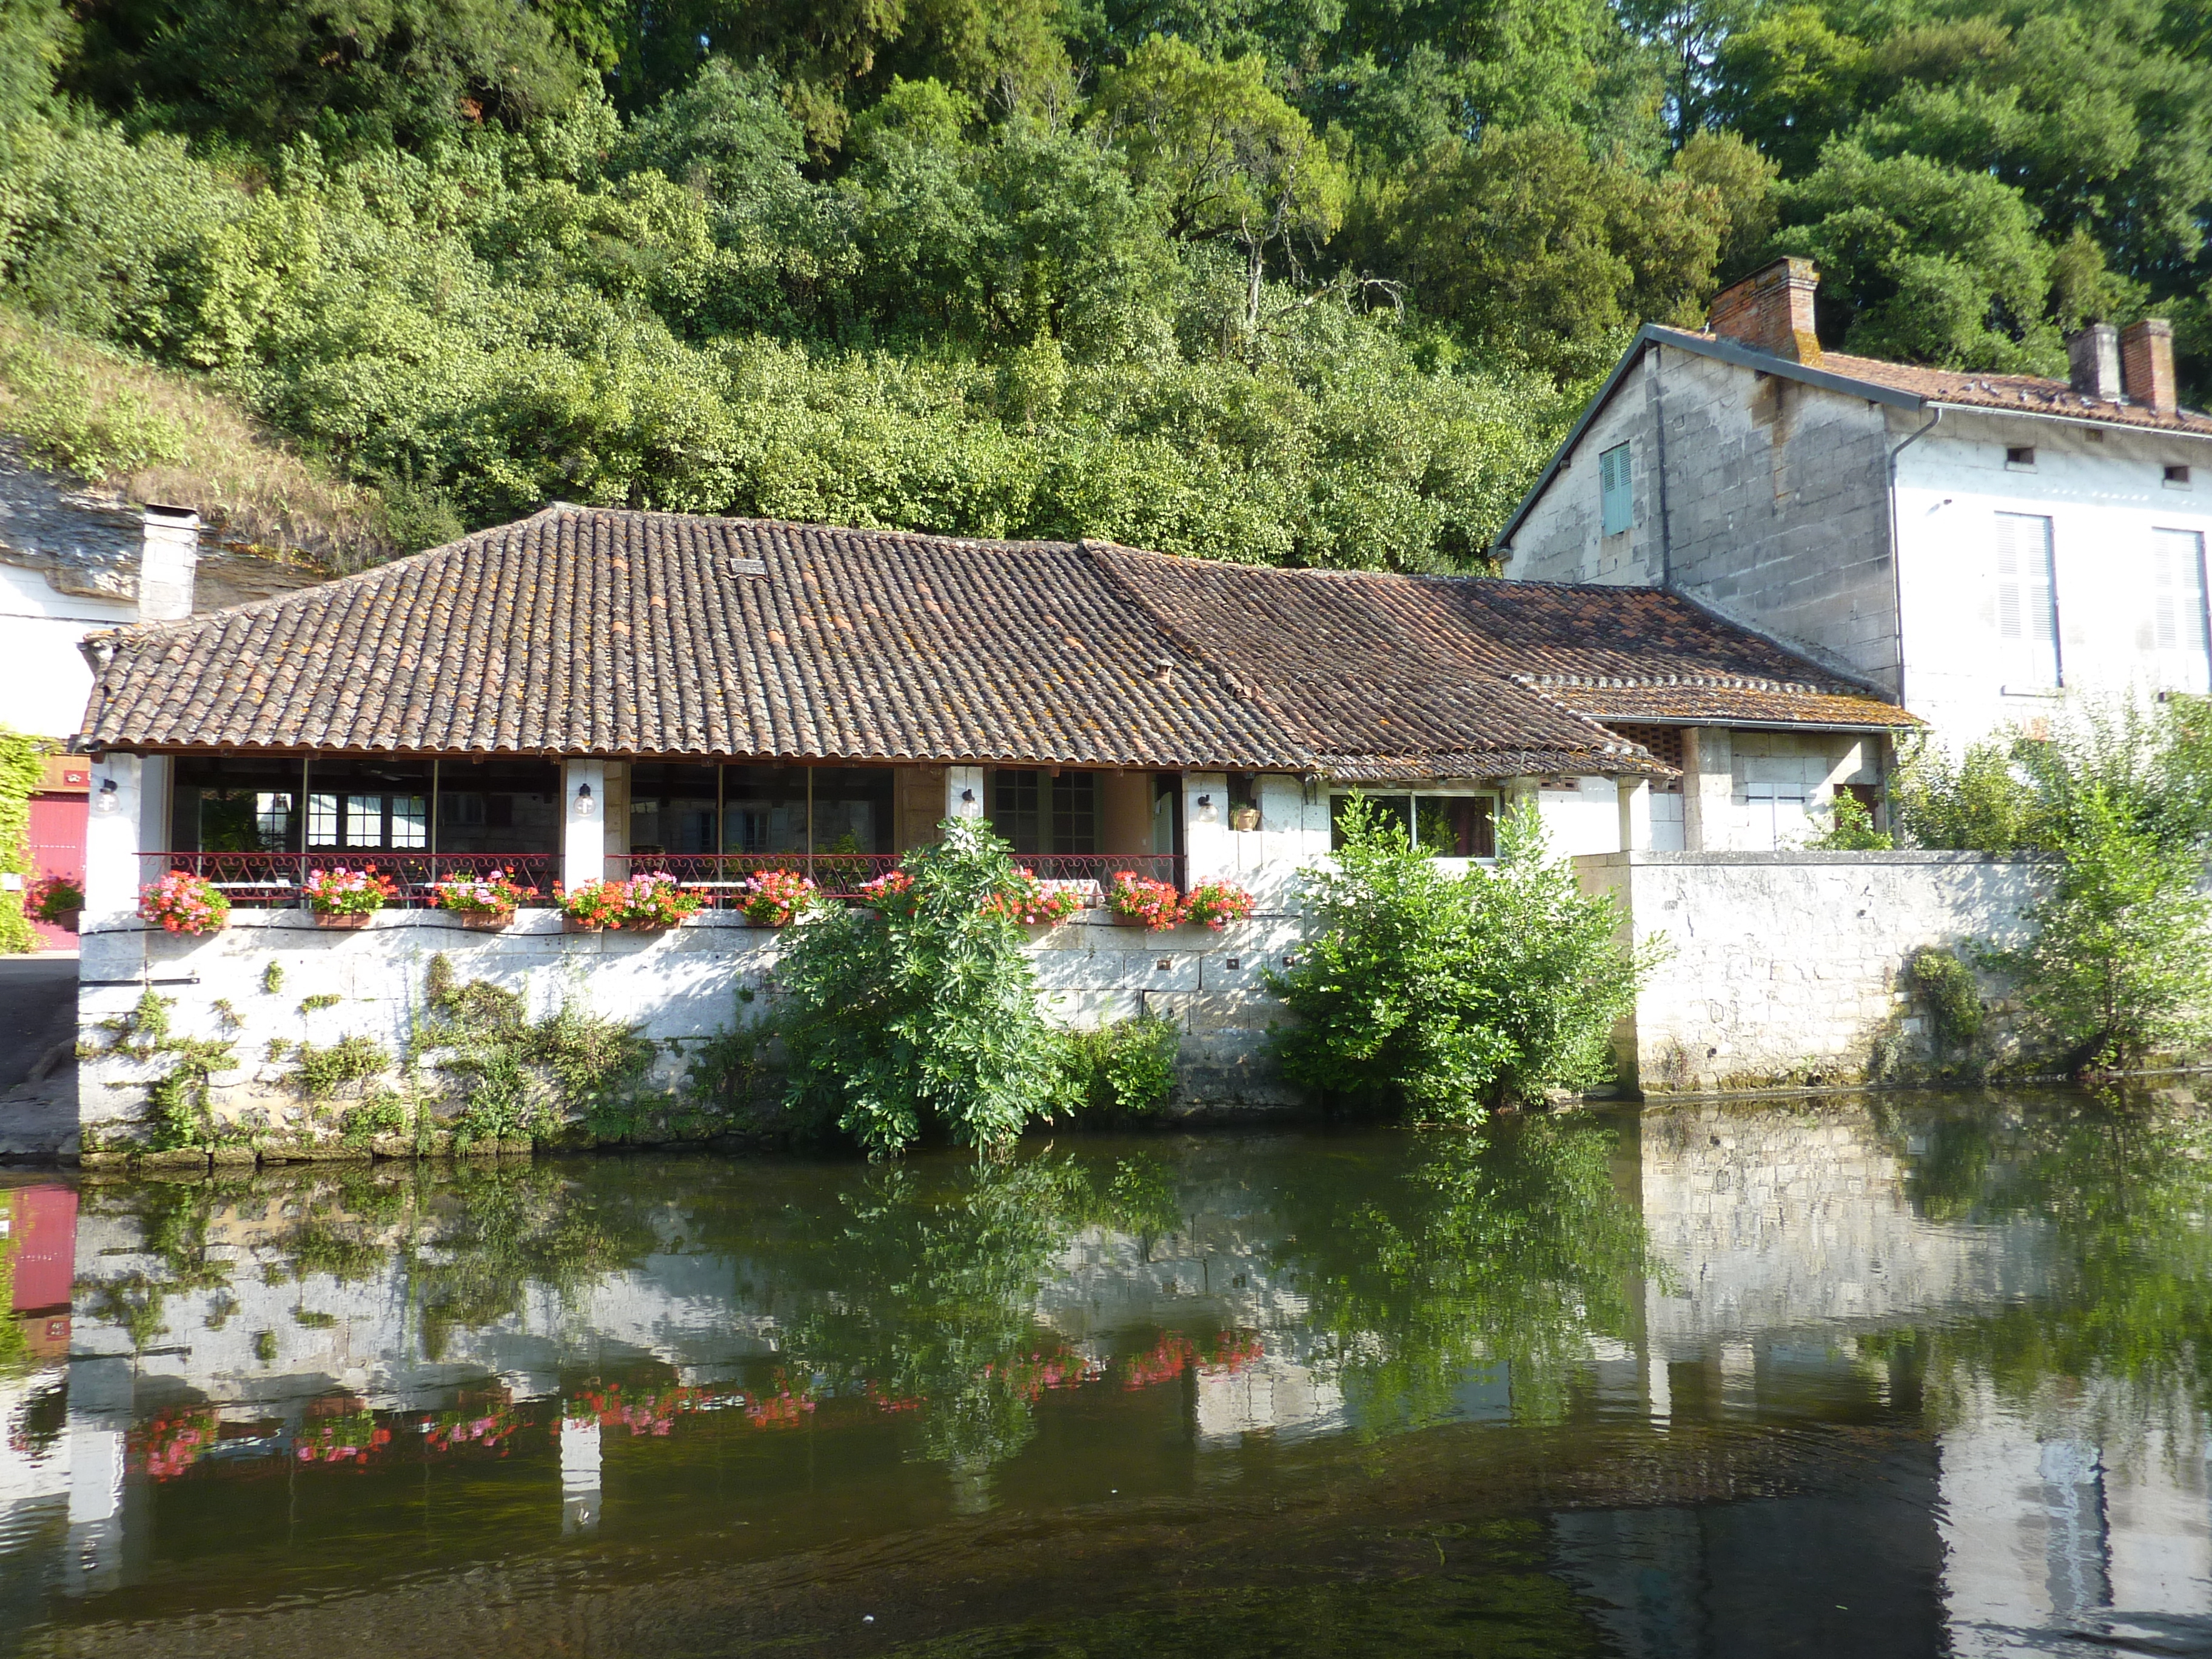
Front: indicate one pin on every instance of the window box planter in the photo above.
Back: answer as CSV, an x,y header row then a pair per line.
x,y
482,922
352,921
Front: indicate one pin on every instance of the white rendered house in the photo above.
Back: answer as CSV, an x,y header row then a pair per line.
x,y
1975,546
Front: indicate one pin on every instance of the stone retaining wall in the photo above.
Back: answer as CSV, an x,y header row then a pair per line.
x,y
1786,967
679,988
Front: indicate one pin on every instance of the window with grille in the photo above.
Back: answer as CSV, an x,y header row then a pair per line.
x,y
2027,605
1614,499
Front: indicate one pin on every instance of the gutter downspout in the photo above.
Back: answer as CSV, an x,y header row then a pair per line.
x,y
1659,443
1896,564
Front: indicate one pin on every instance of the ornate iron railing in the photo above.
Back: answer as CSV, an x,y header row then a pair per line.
x,y
274,878
723,876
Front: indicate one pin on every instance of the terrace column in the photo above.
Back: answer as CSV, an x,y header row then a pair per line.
x,y
1209,844
583,826
112,830
1707,788
1635,814
963,792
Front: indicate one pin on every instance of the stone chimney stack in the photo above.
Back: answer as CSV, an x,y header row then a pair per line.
x,y
2147,364
2094,356
1771,311
172,552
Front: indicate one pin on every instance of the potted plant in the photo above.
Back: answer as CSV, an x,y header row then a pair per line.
x,y
346,898
1244,817
482,904
776,898
651,902
1027,901
183,903
57,900
893,891
1217,902
588,907
1137,901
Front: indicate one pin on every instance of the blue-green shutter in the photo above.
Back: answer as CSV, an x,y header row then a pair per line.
x,y
1619,506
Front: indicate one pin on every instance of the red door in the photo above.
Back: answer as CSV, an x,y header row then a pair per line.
x,y
57,849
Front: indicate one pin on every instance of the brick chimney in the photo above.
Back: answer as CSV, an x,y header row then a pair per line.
x,y
170,554
2093,355
2147,364
1771,311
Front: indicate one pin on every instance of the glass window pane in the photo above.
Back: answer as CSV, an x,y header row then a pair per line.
x,y
411,821
1014,810
234,804
765,809
322,820
499,806
852,809
672,809
364,821
1074,813
1394,809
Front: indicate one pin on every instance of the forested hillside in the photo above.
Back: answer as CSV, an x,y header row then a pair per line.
x,y
1303,281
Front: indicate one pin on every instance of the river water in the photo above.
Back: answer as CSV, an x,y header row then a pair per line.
x,y
1890,1374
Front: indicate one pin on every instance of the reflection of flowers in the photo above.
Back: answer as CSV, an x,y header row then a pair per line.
x,y
347,1439
169,1442
653,1411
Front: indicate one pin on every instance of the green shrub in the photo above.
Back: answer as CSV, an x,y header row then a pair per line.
x,y
1444,996
320,1073
920,1018
2120,966
1850,828
1954,1002
19,777
1124,1070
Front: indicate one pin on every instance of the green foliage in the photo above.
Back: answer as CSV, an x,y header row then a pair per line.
x,y
1947,985
179,1114
1543,254
1445,996
272,979
265,1346
1850,828
921,1020
526,1079
21,763
320,1073
322,1000
1974,802
2120,968
1122,1071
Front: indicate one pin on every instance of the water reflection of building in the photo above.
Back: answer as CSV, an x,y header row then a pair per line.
x,y
1798,1274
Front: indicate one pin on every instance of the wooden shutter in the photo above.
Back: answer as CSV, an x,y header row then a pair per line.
x,y
2027,618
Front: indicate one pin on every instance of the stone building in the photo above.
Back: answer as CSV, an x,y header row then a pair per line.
x,y
592,693
1974,545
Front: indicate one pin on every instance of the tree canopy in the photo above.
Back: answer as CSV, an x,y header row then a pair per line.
x,y
1271,282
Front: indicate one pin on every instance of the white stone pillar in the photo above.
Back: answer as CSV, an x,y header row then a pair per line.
x,y
112,828
1707,788
1209,845
963,792
580,1475
583,839
1635,794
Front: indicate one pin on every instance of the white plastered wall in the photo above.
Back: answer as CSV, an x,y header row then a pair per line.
x,y
2105,492
45,682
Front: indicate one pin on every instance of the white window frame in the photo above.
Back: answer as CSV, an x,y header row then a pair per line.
x,y
2026,602
2181,618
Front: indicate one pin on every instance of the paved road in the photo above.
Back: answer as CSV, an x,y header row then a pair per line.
x,y
38,1001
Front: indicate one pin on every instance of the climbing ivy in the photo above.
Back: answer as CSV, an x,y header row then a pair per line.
x,y
20,767
178,1098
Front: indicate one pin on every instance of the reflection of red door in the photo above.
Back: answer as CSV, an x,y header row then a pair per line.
x,y
42,1229
57,849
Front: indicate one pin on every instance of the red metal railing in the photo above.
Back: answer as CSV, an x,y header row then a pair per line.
x,y
274,878
839,875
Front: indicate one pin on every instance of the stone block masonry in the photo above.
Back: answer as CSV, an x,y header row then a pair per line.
x,y
273,981
1786,969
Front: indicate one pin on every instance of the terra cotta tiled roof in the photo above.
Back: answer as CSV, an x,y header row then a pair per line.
x,y
588,631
